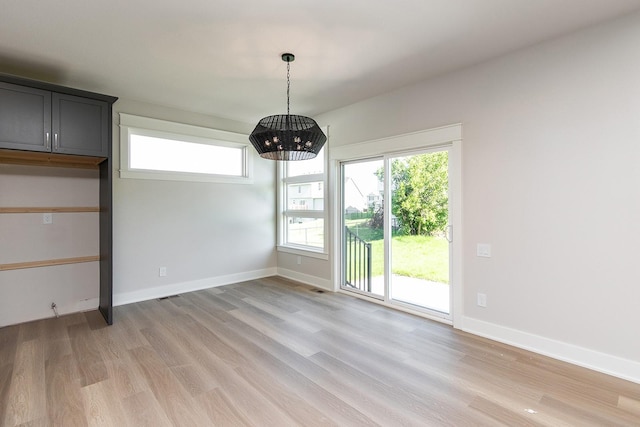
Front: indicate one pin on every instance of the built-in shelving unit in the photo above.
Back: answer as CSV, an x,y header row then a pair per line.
x,y
46,125
48,262
56,209
36,158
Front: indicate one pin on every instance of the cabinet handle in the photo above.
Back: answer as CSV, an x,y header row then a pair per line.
x,y
55,141
47,141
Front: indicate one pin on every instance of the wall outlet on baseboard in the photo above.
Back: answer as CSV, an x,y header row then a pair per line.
x,y
162,271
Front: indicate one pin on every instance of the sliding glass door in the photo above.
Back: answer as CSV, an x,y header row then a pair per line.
x,y
419,227
396,229
363,231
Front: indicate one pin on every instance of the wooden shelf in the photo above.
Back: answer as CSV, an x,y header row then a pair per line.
x,y
52,209
48,262
38,158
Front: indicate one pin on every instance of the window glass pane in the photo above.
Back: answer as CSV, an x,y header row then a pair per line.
x,y
307,196
153,153
305,231
307,167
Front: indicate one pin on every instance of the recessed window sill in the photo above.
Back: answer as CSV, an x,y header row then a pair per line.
x,y
303,252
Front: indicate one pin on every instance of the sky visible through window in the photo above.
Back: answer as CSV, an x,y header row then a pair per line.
x,y
152,153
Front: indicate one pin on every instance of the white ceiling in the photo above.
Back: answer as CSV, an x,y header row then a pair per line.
x,y
222,57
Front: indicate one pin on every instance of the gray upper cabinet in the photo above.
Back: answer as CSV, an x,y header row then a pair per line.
x,y
38,120
79,126
25,118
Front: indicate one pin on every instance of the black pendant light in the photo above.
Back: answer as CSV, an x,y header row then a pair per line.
x,y
286,136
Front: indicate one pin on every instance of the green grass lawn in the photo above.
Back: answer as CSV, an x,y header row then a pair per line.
x,y
423,257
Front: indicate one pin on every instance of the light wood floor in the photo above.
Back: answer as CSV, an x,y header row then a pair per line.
x,y
273,353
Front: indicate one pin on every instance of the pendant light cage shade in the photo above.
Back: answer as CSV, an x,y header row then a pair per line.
x,y
287,137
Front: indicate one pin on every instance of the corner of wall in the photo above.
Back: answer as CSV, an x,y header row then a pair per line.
x,y
306,279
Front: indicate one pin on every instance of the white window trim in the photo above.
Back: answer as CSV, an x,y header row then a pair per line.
x,y
138,125
283,212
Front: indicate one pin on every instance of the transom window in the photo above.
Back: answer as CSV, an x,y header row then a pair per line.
x,y
156,149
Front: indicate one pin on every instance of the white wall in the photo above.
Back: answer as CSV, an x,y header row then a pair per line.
x,y
205,234
27,294
550,179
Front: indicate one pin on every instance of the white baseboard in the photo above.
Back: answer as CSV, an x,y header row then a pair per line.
x,y
597,361
194,285
306,279
28,315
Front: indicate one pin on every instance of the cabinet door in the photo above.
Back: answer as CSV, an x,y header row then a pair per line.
x,y
25,118
80,126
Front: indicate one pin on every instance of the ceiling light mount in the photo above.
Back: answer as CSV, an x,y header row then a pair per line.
x,y
288,57
286,136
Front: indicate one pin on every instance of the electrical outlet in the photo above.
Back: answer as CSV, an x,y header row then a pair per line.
x,y
162,271
299,260
482,300
47,218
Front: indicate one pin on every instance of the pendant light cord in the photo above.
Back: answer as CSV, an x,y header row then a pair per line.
x,y
288,84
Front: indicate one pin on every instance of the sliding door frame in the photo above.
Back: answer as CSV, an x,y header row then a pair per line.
x,y
449,137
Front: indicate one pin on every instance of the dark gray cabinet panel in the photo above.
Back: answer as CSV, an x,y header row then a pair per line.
x,y
39,120
80,126
25,118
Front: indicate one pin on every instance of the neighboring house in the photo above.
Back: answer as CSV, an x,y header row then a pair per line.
x,y
307,196
353,197
374,201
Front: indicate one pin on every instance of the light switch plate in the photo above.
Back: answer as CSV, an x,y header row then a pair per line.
x,y
484,250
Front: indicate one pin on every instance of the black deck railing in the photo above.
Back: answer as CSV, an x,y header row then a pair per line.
x,y
357,262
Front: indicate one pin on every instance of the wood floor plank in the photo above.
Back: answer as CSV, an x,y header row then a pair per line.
x,y
88,357
487,385
277,360
428,407
6,371
359,396
192,380
503,415
102,405
165,347
629,405
590,411
127,329
302,411
27,393
221,410
8,341
143,410
126,376
274,352
275,332
65,405
203,301
31,330
168,391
